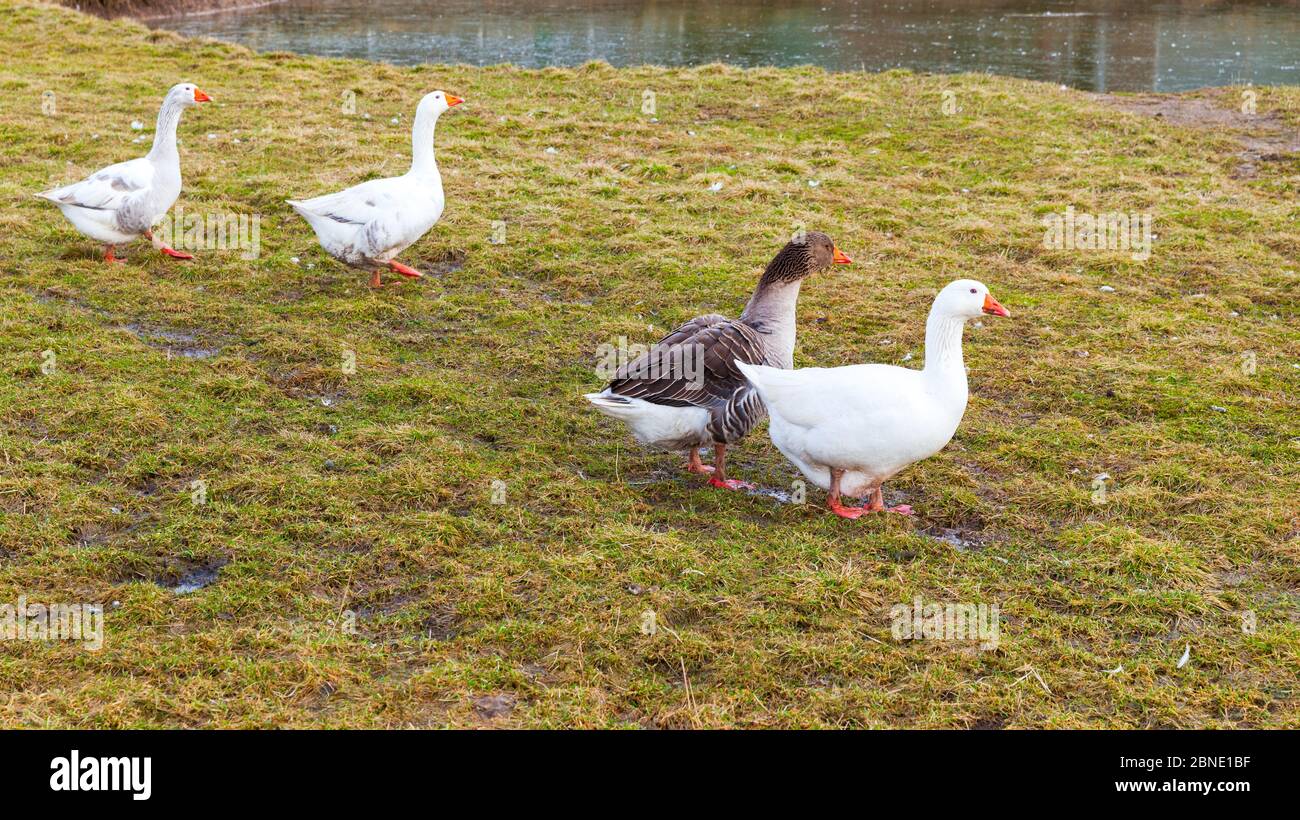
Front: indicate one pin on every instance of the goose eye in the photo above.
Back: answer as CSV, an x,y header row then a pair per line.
x,y
972,290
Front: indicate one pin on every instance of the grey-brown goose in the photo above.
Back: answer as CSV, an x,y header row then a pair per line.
x,y
686,392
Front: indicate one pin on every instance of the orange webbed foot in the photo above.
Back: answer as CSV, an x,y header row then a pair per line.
x,y
410,273
851,513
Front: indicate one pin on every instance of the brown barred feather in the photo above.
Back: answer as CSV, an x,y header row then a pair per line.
x,y
711,344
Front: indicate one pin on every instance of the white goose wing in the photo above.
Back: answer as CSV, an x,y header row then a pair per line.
x,y
821,396
358,205
107,189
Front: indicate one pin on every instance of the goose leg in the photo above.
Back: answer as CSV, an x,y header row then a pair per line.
x,y
875,500
833,498
108,255
719,478
877,504
410,273
157,243
693,463
374,279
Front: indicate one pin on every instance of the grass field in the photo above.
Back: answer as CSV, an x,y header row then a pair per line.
x,y
354,570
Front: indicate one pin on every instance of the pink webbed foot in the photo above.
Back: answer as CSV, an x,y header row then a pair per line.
x,y
846,512
731,484
175,254
902,509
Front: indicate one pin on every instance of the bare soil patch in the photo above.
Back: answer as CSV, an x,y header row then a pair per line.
x,y
1264,136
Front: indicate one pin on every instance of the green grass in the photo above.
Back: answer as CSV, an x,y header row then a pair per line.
x,y
376,509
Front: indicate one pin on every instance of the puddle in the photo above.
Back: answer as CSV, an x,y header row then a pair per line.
x,y
963,540
195,580
181,342
192,579
449,263
444,268
187,345
779,496
491,706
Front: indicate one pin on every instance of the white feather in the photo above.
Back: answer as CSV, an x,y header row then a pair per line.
x,y
656,425
872,420
369,224
120,202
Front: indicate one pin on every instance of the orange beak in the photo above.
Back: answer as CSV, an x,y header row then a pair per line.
x,y
199,96
453,100
992,307
840,258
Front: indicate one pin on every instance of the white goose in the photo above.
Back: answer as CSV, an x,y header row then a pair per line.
x,y
124,201
367,225
849,429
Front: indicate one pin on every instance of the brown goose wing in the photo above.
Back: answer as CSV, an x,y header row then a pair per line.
x,y
693,365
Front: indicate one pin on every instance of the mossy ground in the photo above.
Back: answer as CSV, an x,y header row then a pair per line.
x,y
366,498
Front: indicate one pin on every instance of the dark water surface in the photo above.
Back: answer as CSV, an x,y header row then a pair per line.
x,y
1101,45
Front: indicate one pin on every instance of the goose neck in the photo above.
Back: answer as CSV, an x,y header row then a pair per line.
x,y
164,135
422,160
771,311
775,301
943,354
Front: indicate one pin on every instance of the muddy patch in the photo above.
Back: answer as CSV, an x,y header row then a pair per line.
x,y
184,576
442,625
444,265
962,539
89,535
183,343
1263,136
492,706
187,344
321,386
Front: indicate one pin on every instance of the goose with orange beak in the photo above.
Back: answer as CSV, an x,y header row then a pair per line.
x,y
849,429
368,225
123,202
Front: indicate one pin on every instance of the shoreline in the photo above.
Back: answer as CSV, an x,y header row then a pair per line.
x,y
153,10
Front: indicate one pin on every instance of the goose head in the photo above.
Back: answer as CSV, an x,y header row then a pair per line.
x,y
435,103
185,95
967,299
806,254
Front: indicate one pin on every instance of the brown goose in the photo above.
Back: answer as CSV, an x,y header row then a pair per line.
x,y
686,392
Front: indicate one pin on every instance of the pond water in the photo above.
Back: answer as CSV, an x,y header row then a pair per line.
x,y
1100,45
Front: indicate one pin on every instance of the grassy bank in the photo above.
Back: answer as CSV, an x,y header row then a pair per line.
x,y
145,9
363,576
